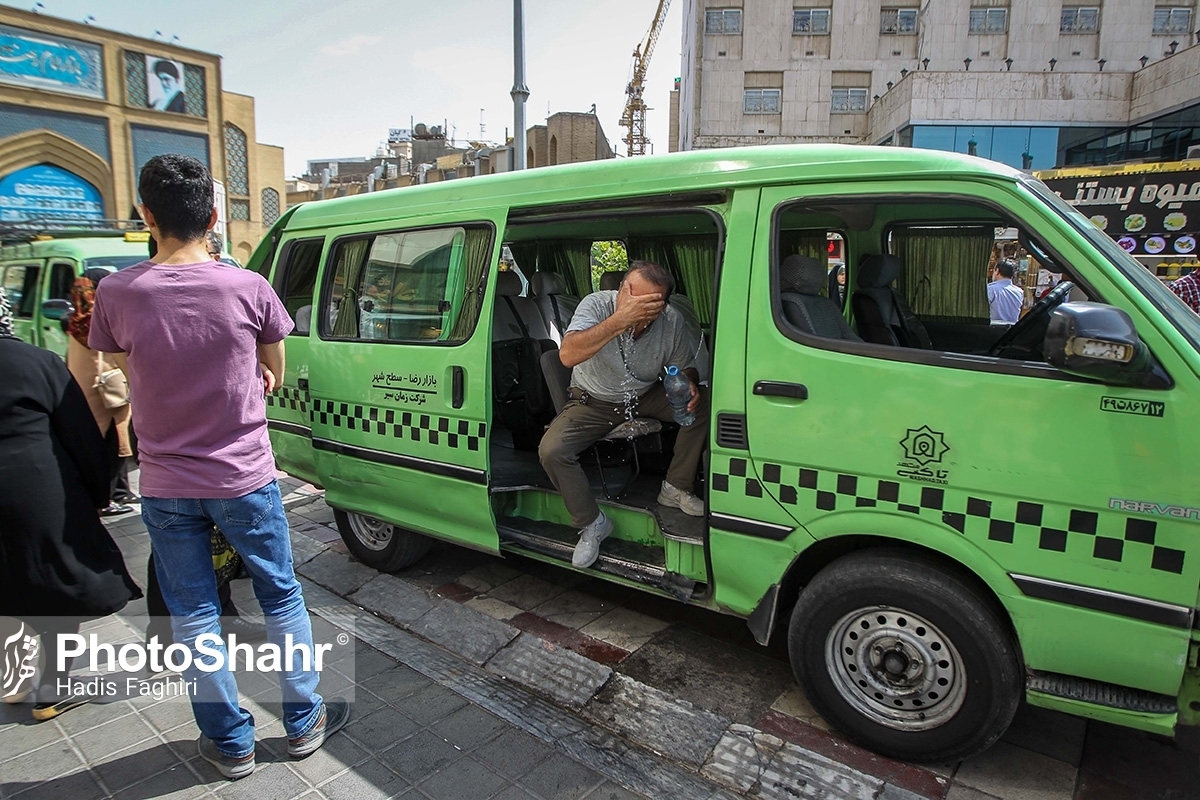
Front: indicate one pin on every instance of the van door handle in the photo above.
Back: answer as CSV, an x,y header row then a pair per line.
x,y
457,382
796,391
302,384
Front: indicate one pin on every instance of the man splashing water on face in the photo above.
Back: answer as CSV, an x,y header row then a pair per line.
x,y
618,344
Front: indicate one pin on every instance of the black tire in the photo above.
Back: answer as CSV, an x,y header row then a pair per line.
x,y
905,657
379,544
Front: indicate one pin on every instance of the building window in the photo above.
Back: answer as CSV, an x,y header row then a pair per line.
x,y
898,20
809,21
270,206
988,20
848,101
195,90
723,20
237,166
762,101
1172,20
1080,19
239,210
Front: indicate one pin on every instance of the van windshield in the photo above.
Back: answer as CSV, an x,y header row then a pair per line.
x,y
1180,315
116,262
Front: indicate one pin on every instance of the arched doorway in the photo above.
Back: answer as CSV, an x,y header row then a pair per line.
x,y
553,151
46,148
47,194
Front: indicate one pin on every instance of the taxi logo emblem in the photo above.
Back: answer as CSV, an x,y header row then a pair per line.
x,y
924,446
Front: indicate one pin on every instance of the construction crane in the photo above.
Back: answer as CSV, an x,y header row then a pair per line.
x,y
634,116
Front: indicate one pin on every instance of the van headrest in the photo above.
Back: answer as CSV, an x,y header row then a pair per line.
x,y
611,281
545,283
878,271
802,274
508,284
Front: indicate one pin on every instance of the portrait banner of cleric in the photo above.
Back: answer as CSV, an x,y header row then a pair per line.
x,y
165,84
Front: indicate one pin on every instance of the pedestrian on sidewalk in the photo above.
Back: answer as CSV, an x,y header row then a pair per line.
x,y
58,564
200,341
104,390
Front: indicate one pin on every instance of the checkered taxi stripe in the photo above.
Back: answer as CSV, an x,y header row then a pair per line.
x,y
413,426
287,397
428,428
1114,537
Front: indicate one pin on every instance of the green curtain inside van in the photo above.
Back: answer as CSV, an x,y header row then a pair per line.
x,y
945,271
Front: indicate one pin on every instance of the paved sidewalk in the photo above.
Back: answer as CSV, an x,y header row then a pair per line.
x,y
409,735
474,676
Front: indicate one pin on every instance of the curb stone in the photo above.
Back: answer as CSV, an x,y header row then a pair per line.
x,y
742,758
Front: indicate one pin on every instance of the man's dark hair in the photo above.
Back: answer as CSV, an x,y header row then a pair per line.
x,y
178,190
656,274
166,68
1006,267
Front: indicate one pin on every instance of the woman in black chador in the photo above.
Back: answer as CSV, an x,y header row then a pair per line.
x,y
58,564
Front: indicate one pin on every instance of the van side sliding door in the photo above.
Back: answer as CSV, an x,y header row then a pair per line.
x,y
398,376
289,409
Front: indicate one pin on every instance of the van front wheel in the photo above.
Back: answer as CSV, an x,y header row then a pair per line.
x,y
904,657
378,544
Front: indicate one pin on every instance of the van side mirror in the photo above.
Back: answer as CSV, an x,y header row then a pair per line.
x,y
57,309
1098,341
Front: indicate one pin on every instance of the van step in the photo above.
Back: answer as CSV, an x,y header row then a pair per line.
x,y
1099,693
629,560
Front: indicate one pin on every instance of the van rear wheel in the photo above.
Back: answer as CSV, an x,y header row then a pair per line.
x,y
905,657
378,544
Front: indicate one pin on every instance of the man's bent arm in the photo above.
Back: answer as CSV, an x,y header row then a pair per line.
x,y
271,357
579,346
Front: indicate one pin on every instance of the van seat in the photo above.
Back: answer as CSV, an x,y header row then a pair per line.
x,y
880,310
556,306
516,316
519,337
801,278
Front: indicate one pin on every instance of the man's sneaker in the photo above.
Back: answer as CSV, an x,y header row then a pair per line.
x,y
229,767
686,502
47,711
334,714
588,549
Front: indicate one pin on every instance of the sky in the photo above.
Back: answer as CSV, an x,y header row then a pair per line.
x,y
329,77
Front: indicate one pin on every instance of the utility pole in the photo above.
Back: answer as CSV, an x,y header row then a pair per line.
x,y
520,92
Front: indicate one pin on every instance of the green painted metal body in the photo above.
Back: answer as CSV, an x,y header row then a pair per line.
x,y
56,260
1027,477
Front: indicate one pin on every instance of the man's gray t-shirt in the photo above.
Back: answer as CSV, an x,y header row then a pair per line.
x,y
624,364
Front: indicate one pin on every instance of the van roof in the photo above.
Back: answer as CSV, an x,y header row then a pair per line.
x,y
695,170
75,247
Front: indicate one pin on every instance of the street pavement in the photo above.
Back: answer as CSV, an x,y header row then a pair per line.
x,y
474,676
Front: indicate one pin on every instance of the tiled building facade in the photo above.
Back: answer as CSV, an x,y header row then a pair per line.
x,y
82,109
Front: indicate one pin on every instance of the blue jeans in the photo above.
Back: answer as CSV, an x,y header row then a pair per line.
x,y
255,524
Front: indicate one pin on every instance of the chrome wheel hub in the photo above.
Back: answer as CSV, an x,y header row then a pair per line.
x,y
373,534
895,668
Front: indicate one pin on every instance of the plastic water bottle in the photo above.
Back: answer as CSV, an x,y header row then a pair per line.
x,y
679,394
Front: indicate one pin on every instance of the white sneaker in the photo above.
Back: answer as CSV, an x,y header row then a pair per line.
x,y
588,549
686,502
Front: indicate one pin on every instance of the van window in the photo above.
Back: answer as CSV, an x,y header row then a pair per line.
x,y
410,286
62,276
920,275
828,247
296,278
21,286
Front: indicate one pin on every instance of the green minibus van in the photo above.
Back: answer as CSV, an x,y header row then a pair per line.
x,y
942,515
38,267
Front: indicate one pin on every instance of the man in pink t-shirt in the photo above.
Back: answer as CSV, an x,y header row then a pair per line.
x,y
200,341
